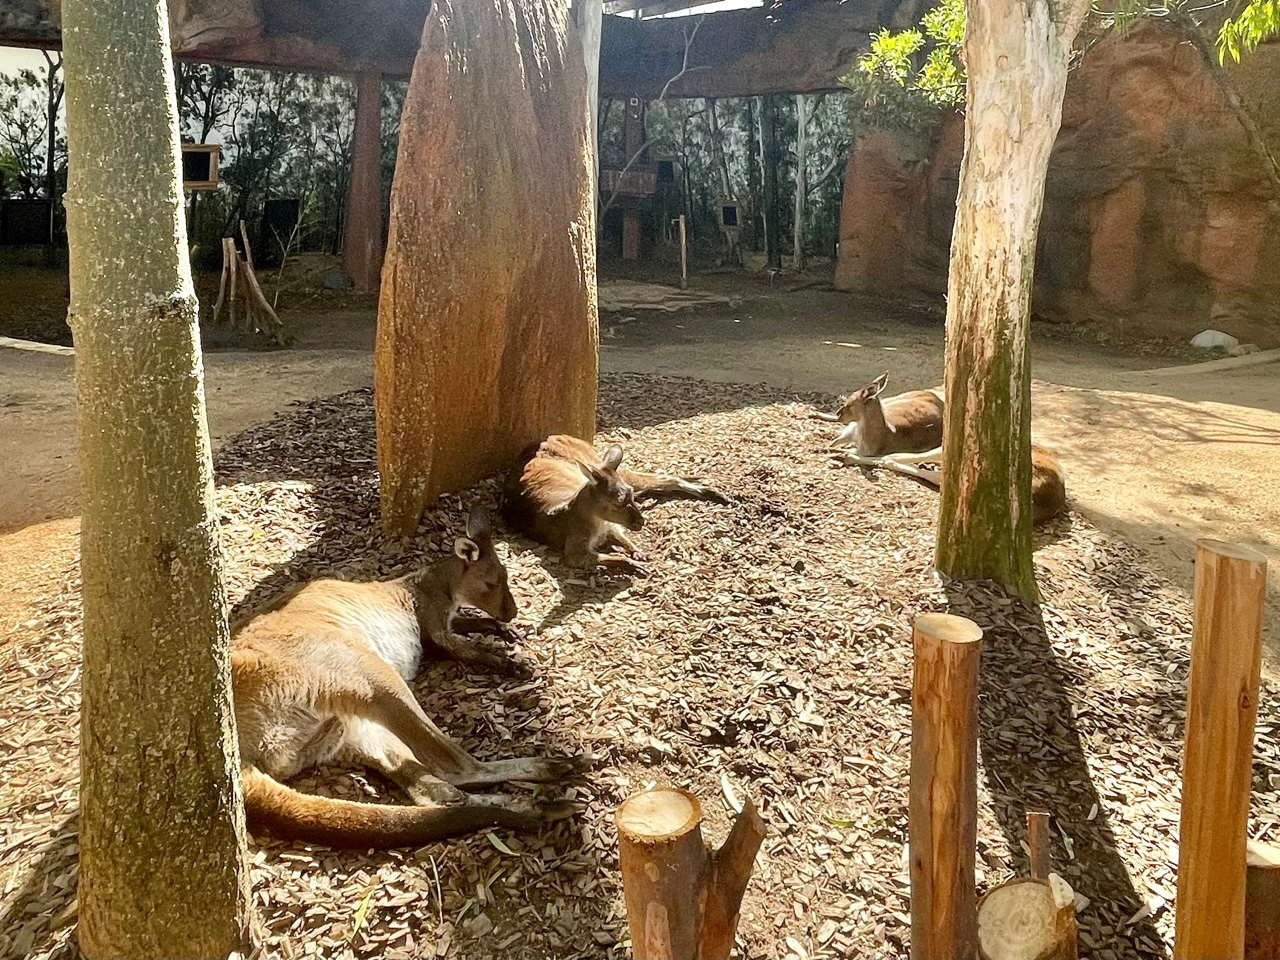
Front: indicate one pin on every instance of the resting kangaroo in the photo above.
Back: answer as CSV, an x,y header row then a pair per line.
x,y
323,676
562,493
905,423
1048,481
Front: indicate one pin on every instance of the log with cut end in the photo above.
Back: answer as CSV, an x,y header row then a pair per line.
x,y
1028,918
943,793
1262,902
682,898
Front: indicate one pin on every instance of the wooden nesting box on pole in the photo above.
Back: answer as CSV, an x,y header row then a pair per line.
x,y
944,786
1222,705
682,898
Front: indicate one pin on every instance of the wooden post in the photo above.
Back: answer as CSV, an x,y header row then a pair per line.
x,y
1222,705
1030,918
1038,843
362,237
682,899
1262,902
630,234
944,786
684,254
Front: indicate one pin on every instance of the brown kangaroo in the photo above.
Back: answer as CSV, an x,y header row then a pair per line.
x,y
1048,480
323,676
564,494
904,423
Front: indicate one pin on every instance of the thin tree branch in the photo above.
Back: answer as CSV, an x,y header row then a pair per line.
x,y
684,69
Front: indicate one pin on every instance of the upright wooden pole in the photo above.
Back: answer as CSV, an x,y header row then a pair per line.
x,y
1222,705
944,787
1038,843
362,242
682,899
1262,902
684,253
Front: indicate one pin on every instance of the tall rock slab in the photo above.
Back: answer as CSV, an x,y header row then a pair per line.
x,y
487,331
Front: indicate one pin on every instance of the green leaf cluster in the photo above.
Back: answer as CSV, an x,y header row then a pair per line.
x,y
907,79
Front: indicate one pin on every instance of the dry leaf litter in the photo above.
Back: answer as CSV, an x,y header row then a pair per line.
x,y
767,653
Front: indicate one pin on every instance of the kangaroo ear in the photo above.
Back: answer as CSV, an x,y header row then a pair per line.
x,y
478,526
467,549
880,383
593,473
613,457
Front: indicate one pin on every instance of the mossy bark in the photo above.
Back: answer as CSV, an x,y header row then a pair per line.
x,y
162,866
487,337
1016,54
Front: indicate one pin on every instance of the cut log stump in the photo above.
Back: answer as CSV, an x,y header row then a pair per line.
x,y
1262,902
682,898
1028,919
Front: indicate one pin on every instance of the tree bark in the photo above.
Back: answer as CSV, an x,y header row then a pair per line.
x,y
1222,707
362,240
162,868
1016,55
682,898
1262,902
943,790
802,186
769,170
589,15
487,337
1028,918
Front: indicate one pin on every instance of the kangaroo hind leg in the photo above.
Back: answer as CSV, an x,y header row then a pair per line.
x,y
656,486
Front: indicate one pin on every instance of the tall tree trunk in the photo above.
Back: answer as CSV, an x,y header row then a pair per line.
x,y
53,97
717,150
1016,53
589,19
802,183
754,181
162,867
769,170
487,335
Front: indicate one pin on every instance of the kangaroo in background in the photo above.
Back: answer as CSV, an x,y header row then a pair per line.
x,y
323,675
905,423
564,494
1048,480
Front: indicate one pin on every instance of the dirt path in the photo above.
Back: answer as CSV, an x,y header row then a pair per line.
x,y
1161,460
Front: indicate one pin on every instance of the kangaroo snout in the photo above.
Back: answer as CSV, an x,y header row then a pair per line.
x,y
635,519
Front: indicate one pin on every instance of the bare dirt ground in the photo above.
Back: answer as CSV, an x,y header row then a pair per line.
x,y
1163,461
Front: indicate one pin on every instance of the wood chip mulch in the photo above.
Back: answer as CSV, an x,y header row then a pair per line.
x,y
766,654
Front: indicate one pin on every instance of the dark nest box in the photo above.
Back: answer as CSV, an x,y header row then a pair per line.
x,y
200,166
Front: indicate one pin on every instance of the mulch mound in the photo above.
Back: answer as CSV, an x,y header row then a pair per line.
x,y
767,654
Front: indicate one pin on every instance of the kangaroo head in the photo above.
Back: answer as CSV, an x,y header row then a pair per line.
x,y
858,401
484,578
610,498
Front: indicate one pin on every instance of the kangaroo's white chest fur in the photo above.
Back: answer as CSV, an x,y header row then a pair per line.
x,y
394,636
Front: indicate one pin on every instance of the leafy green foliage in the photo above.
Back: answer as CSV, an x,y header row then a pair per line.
x,y
908,78
1259,21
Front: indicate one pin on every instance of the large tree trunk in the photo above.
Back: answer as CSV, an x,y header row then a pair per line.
x,y
487,334
162,870
589,18
1016,55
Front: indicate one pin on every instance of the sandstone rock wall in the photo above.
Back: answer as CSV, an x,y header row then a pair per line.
x,y
1158,218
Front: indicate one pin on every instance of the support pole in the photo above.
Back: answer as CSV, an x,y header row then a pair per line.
x,y
943,800
1038,843
1222,705
362,239
682,898
684,254
1262,902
